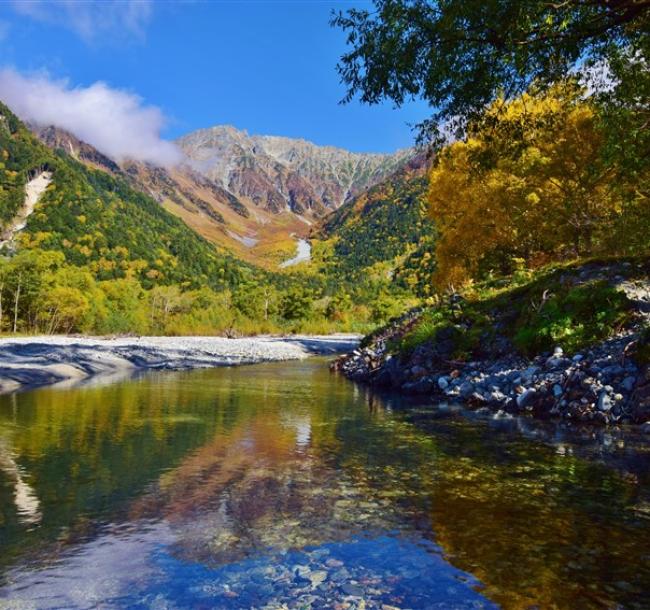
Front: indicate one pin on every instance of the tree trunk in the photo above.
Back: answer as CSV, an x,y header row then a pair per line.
x,y
16,302
53,321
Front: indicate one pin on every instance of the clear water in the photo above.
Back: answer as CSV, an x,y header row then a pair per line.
x,y
283,486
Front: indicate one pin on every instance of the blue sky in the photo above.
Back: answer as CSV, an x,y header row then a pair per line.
x,y
268,67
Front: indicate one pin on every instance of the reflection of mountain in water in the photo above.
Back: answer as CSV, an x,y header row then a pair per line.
x,y
25,499
249,464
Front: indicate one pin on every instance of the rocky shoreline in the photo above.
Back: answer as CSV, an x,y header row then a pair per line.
x,y
604,384
27,362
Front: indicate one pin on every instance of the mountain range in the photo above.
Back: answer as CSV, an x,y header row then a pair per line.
x,y
277,173
95,214
253,195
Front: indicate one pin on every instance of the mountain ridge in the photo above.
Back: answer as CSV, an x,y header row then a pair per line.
x,y
284,187
298,139
277,172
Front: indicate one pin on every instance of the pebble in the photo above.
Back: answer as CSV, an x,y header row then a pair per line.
x,y
418,371
526,398
477,397
604,402
466,389
628,383
557,362
530,372
352,589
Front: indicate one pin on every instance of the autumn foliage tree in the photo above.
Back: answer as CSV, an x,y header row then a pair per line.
x,y
530,183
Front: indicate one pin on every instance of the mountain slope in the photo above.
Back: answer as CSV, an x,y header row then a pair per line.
x,y
379,231
99,221
254,196
277,173
256,235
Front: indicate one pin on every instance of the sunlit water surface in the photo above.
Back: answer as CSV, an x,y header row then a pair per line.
x,y
283,486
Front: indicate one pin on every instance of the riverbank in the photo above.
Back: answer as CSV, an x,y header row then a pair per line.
x,y
27,362
572,343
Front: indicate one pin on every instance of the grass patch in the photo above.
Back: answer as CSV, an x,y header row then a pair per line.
x,y
553,306
573,318
430,322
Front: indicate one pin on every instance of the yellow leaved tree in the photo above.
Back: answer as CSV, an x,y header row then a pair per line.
x,y
529,183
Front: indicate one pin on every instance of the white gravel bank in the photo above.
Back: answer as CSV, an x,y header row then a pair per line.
x,y
34,361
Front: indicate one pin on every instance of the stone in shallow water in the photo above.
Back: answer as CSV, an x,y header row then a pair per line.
x,y
352,589
317,577
340,575
301,570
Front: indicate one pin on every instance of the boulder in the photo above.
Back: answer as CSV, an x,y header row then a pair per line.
x,y
526,398
604,402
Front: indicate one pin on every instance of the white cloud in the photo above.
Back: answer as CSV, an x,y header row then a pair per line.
x,y
91,19
115,122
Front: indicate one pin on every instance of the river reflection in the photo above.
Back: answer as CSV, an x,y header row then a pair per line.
x,y
282,486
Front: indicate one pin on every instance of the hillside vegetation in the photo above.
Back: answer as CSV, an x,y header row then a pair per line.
x,y
98,255
531,218
574,305
98,221
380,243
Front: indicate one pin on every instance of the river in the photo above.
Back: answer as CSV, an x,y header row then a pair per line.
x,y
303,254
284,486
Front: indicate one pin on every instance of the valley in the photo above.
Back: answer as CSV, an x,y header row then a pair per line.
x,y
249,194
398,360
205,246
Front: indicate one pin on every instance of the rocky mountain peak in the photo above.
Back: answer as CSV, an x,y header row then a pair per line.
x,y
277,173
